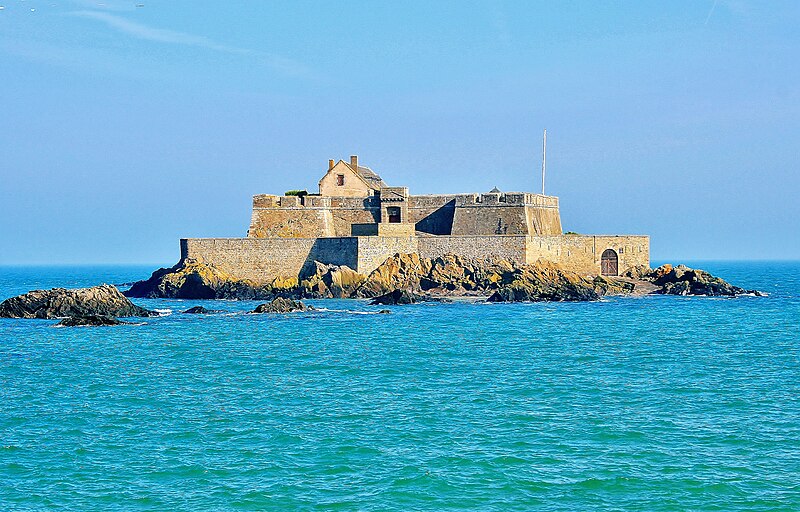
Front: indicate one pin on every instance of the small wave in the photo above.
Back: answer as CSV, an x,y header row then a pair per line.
x,y
163,312
350,311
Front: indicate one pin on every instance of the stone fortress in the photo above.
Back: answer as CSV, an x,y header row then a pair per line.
x,y
359,221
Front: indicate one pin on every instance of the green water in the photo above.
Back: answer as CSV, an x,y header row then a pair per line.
x,y
656,403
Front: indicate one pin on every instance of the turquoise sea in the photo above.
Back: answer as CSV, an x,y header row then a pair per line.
x,y
653,403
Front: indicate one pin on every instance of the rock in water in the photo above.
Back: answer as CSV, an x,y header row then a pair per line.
x,y
545,281
397,297
199,310
682,280
104,300
89,320
190,279
282,305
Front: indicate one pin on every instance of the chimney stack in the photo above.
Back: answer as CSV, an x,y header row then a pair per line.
x,y
330,164
354,162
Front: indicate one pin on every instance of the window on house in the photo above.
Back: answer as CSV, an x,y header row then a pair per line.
x,y
394,214
340,180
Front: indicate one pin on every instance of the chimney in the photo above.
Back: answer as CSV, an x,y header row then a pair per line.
x,y
330,164
354,162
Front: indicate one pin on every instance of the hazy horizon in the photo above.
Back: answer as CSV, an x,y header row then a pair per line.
x,y
127,128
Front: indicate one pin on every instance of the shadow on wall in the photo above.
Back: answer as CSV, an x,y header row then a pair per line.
x,y
331,251
440,221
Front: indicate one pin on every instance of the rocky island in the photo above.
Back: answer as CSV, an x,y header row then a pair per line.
x,y
95,306
408,278
360,238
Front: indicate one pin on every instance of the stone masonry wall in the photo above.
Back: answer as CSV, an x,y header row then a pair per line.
x,y
454,214
263,259
509,247
581,253
543,221
373,250
310,216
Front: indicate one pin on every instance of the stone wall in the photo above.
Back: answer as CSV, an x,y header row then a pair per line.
x,y
454,214
581,253
543,220
373,250
432,213
263,259
509,247
310,216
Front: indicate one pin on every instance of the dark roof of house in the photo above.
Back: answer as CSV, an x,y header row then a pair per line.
x,y
370,177
495,190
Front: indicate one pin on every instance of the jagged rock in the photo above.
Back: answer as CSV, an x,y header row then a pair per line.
x,y
448,275
545,281
639,272
445,275
384,312
103,300
284,283
89,321
200,310
190,279
398,296
330,281
452,273
282,305
604,285
401,271
682,280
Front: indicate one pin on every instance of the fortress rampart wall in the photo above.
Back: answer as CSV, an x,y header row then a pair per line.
x,y
582,253
447,214
310,216
264,259
509,247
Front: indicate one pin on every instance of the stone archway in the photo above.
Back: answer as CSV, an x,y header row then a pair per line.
x,y
609,263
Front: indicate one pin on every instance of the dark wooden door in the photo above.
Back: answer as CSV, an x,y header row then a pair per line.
x,y
609,263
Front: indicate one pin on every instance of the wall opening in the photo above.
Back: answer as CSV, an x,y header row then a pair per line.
x,y
340,180
609,263
394,214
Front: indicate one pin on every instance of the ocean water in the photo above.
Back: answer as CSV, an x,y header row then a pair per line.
x,y
653,403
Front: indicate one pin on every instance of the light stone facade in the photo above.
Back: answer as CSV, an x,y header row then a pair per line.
x,y
358,221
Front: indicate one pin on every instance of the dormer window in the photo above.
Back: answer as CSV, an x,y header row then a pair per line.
x,y
340,180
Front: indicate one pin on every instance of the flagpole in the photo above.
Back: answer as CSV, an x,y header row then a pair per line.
x,y
544,157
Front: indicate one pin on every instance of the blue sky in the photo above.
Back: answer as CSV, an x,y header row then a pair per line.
x,y
125,128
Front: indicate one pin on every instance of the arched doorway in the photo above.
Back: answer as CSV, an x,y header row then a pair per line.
x,y
609,263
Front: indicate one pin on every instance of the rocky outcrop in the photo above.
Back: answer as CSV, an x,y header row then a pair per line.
x,y
105,300
396,297
200,310
330,281
448,275
190,279
545,281
401,271
682,280
604,285
89,321
282,305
